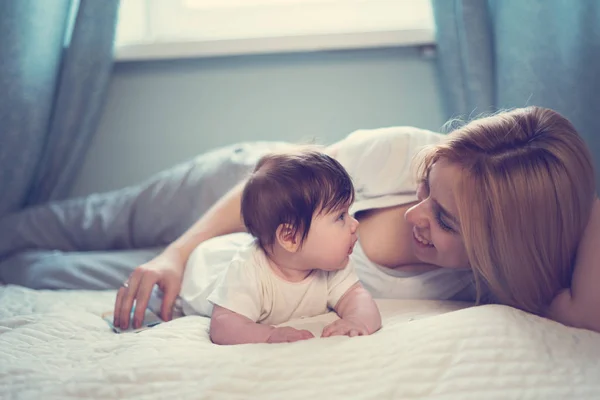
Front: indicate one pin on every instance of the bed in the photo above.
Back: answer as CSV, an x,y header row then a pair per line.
x,y
54,344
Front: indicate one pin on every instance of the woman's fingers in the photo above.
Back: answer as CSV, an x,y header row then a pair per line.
x,y
170,292
138,290
117,310
129,296
143,296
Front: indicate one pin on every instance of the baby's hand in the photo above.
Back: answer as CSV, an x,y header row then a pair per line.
x,y
287,334
345,327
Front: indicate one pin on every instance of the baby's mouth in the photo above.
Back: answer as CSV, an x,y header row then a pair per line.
x,y
351,247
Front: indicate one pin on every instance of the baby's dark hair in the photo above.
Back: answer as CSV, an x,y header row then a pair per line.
x,y
290,188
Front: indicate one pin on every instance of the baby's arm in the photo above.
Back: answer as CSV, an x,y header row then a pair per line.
x,y
358,313
579,306
228,327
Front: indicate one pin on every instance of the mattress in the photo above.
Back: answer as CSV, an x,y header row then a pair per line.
x,y
54,344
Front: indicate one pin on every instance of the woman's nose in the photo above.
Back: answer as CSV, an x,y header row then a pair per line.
x,y
416,215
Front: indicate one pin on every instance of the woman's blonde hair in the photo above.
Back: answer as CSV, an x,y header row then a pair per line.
x,y
524,199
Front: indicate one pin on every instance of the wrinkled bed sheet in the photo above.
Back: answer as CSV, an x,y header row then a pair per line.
x,y
53,344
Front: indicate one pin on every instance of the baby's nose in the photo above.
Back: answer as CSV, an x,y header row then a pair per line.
x,y
355,224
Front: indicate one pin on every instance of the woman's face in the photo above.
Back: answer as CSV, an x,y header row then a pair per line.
x,y
437,237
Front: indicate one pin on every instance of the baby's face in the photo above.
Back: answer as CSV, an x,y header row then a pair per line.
x,y
330,240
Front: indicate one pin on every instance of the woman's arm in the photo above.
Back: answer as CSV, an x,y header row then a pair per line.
x,y
579,306
222,218
166,270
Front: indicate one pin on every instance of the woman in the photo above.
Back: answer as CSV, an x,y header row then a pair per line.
x,y
505,199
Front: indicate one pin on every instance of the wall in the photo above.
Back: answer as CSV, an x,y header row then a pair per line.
x,y
160,113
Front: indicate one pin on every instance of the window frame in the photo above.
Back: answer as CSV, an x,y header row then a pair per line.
x,y
147,39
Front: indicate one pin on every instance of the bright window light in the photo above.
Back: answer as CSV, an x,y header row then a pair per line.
x,y
283,23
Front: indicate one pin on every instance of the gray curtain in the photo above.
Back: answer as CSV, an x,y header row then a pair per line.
x,y
496,54
55,62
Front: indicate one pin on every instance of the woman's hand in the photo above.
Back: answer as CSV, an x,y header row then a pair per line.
x,y
166,271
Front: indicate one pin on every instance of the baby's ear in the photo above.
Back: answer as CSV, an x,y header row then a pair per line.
x,y
287,238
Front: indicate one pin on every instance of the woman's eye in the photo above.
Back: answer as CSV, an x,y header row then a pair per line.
x,y
442,224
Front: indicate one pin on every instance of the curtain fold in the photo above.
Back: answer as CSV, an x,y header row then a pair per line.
x,y
496,54
56,58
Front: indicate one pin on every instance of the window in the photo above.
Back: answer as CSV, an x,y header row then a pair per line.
x,y
149,29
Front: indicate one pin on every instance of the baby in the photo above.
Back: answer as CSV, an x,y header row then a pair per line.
x,y
295,205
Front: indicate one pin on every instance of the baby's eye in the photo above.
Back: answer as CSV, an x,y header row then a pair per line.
x,y
341,217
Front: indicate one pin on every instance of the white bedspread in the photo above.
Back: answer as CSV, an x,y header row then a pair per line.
x,y
55,345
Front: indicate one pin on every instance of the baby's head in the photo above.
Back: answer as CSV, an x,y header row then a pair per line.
x,y
287,190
